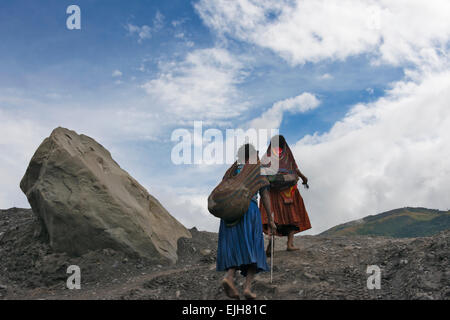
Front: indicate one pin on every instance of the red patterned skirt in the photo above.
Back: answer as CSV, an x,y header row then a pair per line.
x,y
289,212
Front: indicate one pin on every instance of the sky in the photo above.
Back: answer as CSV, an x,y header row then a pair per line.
x,y
359,88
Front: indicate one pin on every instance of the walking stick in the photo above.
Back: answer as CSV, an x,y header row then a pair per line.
x,y
271,260
271,252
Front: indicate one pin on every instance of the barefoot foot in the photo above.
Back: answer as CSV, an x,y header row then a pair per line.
x,y
249,295
230,289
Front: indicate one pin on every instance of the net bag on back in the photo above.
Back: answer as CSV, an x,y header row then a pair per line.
x,y
231,198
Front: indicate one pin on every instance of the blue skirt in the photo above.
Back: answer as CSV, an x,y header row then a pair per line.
x,y
242,244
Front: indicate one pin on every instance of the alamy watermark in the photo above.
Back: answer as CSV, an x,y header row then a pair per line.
x,y
73,22
74,280
211,146
374,280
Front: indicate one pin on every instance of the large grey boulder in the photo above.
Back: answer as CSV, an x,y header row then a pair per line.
x,y
85,201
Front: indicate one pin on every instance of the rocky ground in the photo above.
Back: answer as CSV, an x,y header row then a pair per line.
x,y
323,268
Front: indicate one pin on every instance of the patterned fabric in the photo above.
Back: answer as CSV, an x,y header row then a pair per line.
x,y
231,198
289,214
287,205
284,156
255,196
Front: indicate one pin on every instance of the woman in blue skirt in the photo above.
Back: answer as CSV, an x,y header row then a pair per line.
x,y
241,247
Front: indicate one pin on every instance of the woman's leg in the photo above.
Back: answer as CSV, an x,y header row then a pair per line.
x,y
290,241
248,282
228,284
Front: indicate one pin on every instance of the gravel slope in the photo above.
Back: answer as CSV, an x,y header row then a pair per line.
x,y
323,268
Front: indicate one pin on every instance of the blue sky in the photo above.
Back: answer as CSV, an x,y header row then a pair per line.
x,y
137,70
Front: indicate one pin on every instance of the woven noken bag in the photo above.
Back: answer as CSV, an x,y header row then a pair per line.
x,y
231,198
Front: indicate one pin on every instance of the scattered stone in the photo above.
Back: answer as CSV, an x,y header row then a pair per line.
x,y
205,252
312,274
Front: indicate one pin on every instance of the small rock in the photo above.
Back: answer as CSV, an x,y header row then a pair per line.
x,y
177,294
424,296
205,252
309,276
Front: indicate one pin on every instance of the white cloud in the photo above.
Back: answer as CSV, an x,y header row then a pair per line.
x,y
395,32
142,68
202,86
272,118
117,73
145,32
179,35
179,22
326,76
383,155
56,95
158,21
19,139
188,206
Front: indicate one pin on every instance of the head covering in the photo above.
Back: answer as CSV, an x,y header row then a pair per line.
x,y
279,151
247,152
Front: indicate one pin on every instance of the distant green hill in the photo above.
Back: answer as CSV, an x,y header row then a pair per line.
x,y
399,223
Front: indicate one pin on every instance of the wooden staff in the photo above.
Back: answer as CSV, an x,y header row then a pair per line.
x,y
272,250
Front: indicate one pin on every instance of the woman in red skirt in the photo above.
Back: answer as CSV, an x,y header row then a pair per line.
x,y
289,211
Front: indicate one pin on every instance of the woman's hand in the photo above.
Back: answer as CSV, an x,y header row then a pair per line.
x,y
273,226
305,180
305,183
